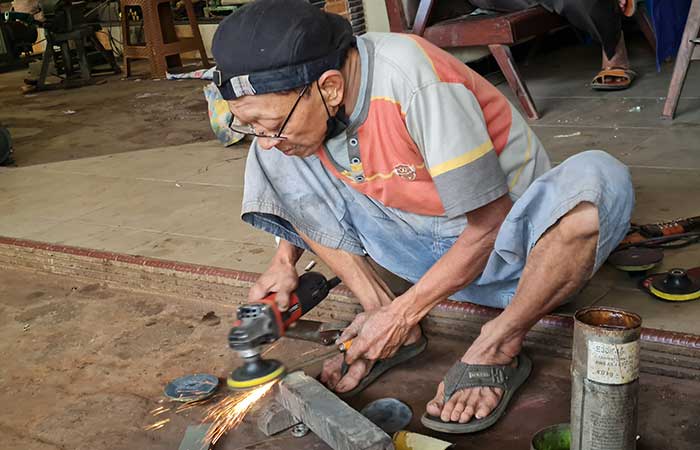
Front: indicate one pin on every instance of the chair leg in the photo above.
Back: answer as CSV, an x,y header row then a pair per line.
x,y
644,24
505,61
194,25
125,38
685,52
45,63
85,72
108,54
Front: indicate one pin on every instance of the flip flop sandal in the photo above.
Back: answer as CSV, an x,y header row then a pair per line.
x,y
462,376
624,79
630,8
405,353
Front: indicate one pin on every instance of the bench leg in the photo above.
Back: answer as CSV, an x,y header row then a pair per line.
x,y
644,24
504,58
685,52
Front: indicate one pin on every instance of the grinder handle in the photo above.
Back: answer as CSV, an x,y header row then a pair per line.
x,y
312,289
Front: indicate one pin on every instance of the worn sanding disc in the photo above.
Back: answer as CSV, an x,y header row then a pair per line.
x,y
636,259
191,388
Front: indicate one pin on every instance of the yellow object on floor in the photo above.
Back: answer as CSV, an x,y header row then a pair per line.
x,y
405,440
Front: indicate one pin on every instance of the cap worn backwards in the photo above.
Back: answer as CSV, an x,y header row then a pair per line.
x,y
277,45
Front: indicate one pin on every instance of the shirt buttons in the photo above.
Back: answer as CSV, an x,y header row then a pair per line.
x,y
355,160
353,142
359,178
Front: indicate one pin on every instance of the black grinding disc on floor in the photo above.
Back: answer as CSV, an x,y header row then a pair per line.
x,y
636,259
676,285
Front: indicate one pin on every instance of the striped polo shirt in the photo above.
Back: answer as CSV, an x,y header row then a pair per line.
x,y
429,135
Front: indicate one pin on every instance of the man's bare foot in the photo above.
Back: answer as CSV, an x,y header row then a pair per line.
x,y
332,368
466,404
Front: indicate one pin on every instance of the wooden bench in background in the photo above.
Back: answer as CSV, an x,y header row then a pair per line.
x,y
498,32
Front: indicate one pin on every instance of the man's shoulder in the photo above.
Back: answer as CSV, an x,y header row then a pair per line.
x,y
400,66
401,51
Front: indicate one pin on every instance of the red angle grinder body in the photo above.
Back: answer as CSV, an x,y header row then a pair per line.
x,y
263,323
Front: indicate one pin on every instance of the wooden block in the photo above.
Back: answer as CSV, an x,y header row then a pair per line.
x,y
336,423
275,419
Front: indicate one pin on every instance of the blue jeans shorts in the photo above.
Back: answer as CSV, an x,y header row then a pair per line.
x,y
286,193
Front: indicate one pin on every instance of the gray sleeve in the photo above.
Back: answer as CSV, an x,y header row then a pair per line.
x,y
447,124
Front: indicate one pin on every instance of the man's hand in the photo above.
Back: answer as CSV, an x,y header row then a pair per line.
x,y
281,278
376,334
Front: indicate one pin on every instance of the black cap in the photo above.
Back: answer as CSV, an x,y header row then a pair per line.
x,y
277,45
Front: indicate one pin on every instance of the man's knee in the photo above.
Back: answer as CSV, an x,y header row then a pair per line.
x,y
601,172
607,171
581,222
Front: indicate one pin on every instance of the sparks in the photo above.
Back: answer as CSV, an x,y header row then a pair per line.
x,y
157,426
189,405
159,410
269,349
230,411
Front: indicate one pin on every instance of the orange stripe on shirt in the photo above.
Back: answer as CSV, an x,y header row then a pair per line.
x,y
385,145
495,107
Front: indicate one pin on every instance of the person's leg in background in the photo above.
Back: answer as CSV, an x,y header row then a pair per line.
x,y
602,19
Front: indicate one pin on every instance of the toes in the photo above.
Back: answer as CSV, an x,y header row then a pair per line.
x,y
457,400
467,414
464,405
434,406
325,374
356,372
332,380
330,375
459,407
446,413
488,399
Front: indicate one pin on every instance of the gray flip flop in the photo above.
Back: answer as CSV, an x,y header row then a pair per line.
x,y
404,354
462,376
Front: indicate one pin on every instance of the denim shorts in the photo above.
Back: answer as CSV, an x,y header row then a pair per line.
x,y
286,193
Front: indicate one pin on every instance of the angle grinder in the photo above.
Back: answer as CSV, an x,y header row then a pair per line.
x,y
676,285
263,323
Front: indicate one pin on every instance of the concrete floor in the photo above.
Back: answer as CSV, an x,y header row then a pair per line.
x,y
134,169
88,364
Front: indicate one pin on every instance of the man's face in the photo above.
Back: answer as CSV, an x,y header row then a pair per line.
x,y
304,130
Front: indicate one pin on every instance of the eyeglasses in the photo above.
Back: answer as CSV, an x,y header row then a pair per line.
x,y
250,131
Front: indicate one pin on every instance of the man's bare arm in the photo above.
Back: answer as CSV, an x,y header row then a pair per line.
x,y
281,276
459,266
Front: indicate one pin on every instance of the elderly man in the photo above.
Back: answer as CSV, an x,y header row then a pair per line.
x,y
386,146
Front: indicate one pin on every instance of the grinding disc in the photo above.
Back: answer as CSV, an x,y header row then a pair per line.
x,y
636,259
676,285
191,388
256,373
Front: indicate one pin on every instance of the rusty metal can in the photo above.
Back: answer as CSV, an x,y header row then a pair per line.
x,y
605,379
